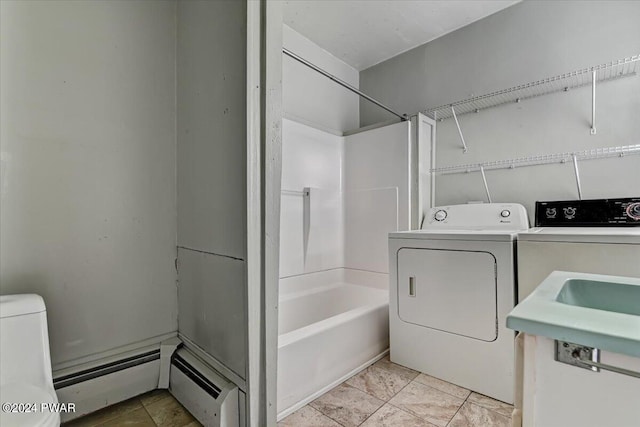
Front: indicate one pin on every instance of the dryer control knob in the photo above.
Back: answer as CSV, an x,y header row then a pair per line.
x,y
505,213
440,215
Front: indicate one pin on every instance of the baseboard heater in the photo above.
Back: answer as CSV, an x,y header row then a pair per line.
x,y
95,385
105,369
211,398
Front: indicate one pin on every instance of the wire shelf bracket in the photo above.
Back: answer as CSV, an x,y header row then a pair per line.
x,y
576,171
609,71
486,186
464,144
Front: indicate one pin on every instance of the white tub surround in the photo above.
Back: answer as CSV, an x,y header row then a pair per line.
x,y
341,196
312,206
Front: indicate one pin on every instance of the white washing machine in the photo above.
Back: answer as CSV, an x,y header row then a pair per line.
x,y
599,236
586,236
452,285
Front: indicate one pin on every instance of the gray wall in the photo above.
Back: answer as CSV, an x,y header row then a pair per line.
x,y
525,42
95,190
87,140
211,93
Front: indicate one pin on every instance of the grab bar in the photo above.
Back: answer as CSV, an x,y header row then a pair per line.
x,y
611,368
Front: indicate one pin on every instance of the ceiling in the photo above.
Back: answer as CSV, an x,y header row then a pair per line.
x,y
363,33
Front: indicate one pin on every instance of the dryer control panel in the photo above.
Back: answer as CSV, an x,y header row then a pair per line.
x,y
477,216
623,212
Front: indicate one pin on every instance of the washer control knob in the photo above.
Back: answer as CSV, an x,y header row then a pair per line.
x,y
633,211
505,213
440,215
569,212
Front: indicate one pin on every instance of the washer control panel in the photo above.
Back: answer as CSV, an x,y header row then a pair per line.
x,y
623,212
633,211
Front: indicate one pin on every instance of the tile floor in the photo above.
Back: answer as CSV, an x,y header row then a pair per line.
x,y
390,395
156,408
383,395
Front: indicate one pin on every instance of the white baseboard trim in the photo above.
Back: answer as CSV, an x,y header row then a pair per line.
x,y
100,392
323,390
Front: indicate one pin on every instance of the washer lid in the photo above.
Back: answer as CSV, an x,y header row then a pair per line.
x,y
626,235
31,414
20,304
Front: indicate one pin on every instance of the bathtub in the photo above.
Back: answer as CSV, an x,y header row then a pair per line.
x,y
331,325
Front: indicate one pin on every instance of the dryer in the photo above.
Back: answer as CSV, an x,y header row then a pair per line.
x,y
451,286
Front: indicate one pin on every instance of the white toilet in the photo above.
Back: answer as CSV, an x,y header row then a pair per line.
x,y
25,364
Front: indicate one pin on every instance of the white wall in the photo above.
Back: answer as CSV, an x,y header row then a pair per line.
x,y
212,141
88,213
526,42
309,97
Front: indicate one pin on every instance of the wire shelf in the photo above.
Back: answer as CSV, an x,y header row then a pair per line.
x,y
605,72
596,153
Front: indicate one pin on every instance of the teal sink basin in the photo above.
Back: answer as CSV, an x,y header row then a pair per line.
x,y
607,296
588,309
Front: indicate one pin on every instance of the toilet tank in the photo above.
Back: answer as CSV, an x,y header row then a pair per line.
x,y
24,340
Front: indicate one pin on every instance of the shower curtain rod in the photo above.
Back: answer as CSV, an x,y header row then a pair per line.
x,y
342,83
